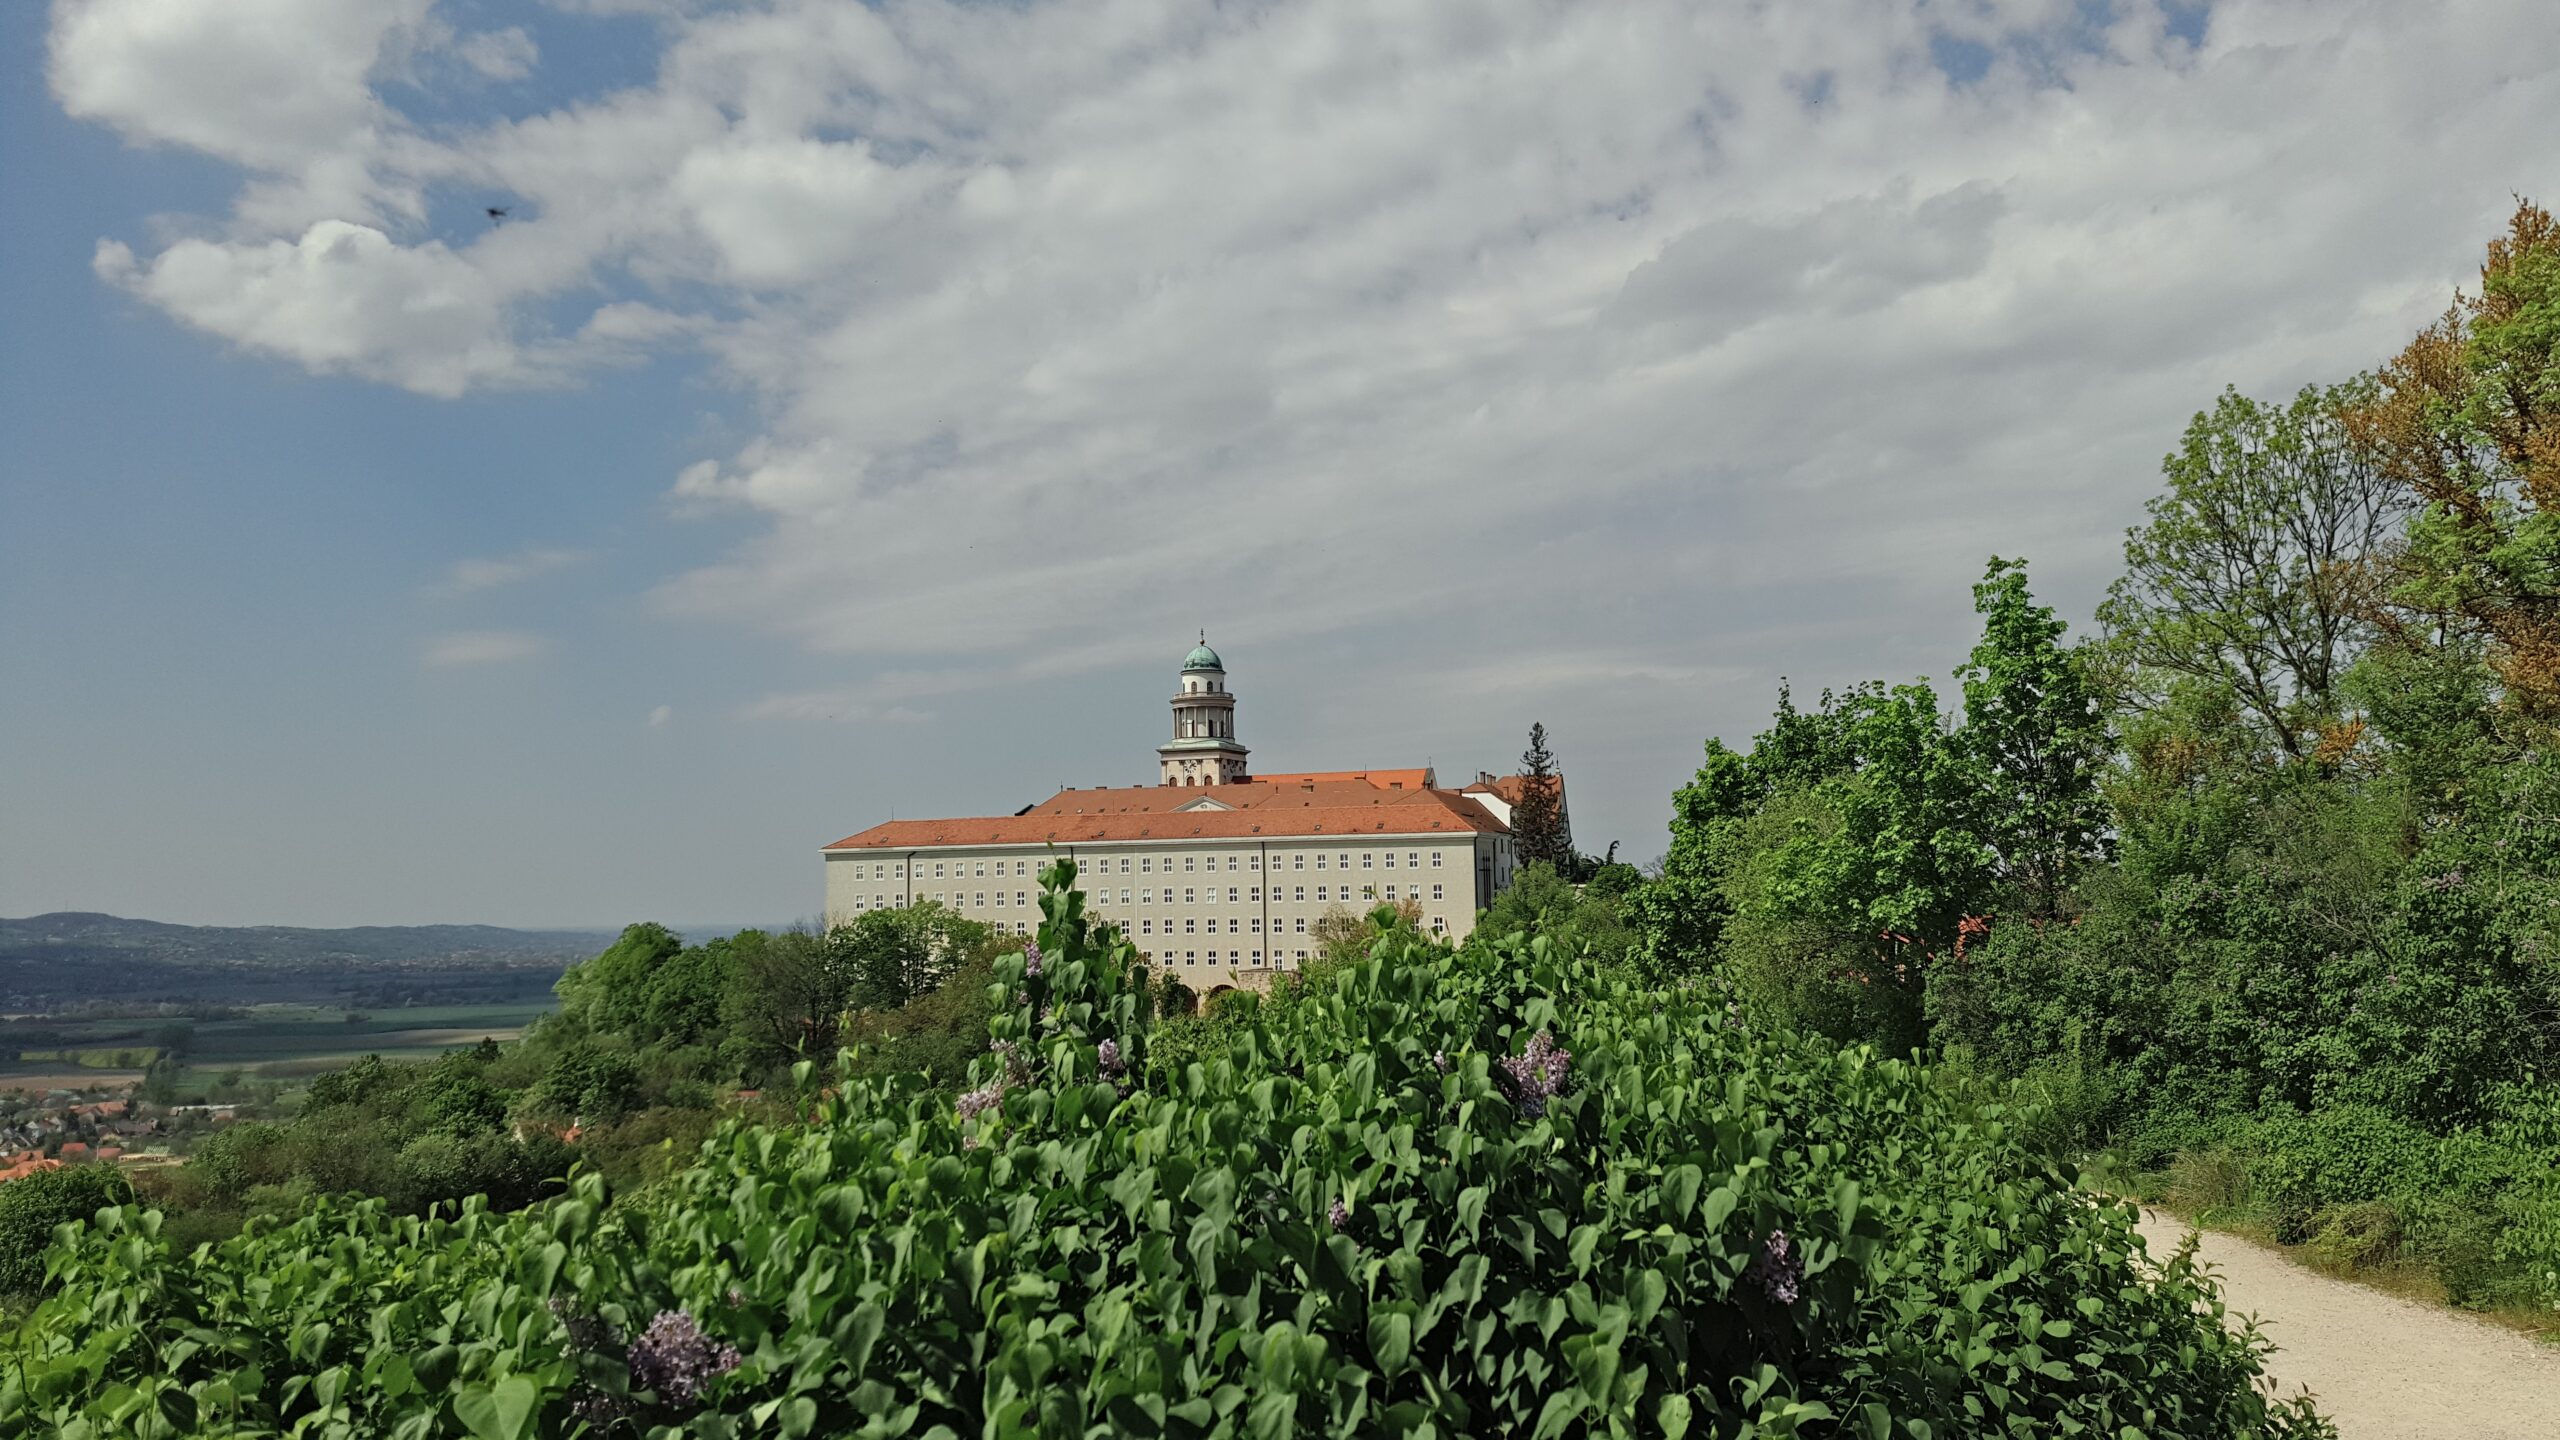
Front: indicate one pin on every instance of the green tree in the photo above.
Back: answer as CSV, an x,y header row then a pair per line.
x,y
1539,832
2254,570
1681,913
2037,740
611,992
896,956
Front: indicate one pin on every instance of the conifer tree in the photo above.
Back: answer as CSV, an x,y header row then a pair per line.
x,y
1538,828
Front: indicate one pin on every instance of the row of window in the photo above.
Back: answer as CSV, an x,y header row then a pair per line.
x,y
1146,864
1236,895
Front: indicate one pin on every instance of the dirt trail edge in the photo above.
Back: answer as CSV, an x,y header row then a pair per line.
x,y
2384,1368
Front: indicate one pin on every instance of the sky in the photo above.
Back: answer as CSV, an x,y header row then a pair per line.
x,y
858,412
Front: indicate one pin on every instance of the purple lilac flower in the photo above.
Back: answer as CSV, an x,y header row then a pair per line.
x,y
1109,1053
1537,1074
601,1411
1030,957
976,1102
676,1360
1780,1270
1337,1214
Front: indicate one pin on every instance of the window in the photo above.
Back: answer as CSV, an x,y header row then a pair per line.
x,y
1124,864
937,897
1147,866
1391,859
1186,861
1412,860
1302,929
1391,890
1439,924
1257,862
1124,895
981,901
937,869
1190,926
1319,859
1190,957
1300,863
1231,895
1368,892
1302,954
999,897
982,867
1146,927
1435,859
1436,890
1302,892
1257,892
1367,860
1019,898
1187,897
1257,924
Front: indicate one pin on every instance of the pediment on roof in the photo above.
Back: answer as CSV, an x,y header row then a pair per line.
x,y
1205,803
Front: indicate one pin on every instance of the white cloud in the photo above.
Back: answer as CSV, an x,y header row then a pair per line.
x,y
488,572
659,716
340,298
482,647
507,54
1480,327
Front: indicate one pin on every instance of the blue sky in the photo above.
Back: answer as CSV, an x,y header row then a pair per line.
x,y
860,410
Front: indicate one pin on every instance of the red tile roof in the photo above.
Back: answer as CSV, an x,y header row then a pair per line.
x,y
1308,806
1510,788
25,1168
1382,779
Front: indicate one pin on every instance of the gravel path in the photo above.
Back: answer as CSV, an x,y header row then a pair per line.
x,y
2384,1368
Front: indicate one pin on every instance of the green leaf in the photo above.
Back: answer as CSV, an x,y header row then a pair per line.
x,y
503,1411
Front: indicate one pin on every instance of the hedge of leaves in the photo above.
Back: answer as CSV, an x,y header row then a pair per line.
x,y
1493,1191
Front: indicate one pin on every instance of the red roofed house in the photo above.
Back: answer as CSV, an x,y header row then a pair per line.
x,y
22,1167
1499,793
1212,868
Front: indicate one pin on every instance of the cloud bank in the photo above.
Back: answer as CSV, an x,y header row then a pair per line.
x,y
1711,331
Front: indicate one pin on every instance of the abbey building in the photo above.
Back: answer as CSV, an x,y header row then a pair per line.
x,y
1212,869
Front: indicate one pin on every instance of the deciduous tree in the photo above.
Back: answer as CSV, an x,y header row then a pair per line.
x,y
2254,571
2037,739
2466,423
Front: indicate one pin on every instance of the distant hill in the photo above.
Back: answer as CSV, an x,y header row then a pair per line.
x,y
75,958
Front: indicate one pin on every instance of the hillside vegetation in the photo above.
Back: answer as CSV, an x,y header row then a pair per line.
x,y
1503,1189
2260,889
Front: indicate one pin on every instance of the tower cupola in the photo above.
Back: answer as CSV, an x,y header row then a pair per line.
x,y
1204,749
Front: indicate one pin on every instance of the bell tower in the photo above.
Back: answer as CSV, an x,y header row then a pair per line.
x,y
1203,750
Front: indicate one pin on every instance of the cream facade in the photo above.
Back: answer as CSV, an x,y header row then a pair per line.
x,y
1213,873
1197,906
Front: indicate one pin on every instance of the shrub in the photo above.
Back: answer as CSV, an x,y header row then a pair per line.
x,y
1494,1190
31,1206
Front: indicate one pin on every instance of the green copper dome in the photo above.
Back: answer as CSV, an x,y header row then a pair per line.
x,y
1203,658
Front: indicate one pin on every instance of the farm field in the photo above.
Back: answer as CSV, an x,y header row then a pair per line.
x,y
304,1040
283,1041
